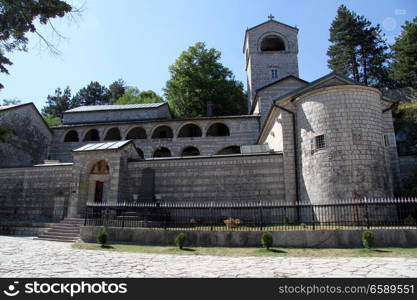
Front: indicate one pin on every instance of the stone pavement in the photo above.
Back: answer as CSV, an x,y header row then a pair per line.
x,y
25,257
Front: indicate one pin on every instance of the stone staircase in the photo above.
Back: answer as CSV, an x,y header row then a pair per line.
x,y
68,230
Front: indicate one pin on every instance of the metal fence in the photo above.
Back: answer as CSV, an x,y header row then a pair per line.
x,y
215,216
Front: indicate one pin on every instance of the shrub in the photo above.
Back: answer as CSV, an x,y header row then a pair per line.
x,y
410,221
266,240
180,239
286,220
102,238
367,239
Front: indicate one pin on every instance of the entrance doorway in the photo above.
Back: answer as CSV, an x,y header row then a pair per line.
x,y
98,195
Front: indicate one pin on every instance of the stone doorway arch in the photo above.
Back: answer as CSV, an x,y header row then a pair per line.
x,y
99,182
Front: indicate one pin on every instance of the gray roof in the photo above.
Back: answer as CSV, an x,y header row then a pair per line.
x,y
114,107
103,146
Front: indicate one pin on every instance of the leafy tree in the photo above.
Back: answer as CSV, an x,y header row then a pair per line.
x,y
133,96
198,79
358,49
405,125
18,17
116,90
51,120
13,101
58,103
404,65
92,94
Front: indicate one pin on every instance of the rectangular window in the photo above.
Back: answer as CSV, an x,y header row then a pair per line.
x,y
317,143
274,73
389,140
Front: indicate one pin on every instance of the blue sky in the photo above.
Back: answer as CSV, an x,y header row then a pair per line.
x,y
137,40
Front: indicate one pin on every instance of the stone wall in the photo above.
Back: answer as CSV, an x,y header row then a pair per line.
x,y
28,143
291,238
224,178
39,193
266,96
353,162
243,131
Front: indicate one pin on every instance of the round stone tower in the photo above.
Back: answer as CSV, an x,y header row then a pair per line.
x,y
341,144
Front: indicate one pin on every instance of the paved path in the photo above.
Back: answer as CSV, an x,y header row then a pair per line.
x,y
25,257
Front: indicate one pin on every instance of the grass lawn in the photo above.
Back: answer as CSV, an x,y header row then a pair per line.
x,y
274,252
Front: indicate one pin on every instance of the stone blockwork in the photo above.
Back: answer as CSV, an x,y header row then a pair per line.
x,y
39,193
243,131
266,96
352,162
259,64
227,178
28,139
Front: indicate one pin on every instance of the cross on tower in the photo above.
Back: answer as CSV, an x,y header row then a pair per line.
x,y
271,17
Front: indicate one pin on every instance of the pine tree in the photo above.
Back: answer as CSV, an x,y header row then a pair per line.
x,y
358,49
404,65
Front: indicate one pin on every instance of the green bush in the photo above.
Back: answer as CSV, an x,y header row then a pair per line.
x,y
180,239
368,239
286,220
266,240
102,238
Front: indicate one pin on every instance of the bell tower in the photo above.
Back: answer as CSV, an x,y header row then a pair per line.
x,y
270,51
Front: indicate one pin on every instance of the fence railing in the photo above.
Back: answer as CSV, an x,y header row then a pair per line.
x,y
258,215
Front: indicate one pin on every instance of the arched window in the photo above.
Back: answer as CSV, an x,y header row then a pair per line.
x,y
218,129
113,135
92,135
162,132
140,152
229,150
190,151
272,43
190,130
101,167
162,152
136,133
71,136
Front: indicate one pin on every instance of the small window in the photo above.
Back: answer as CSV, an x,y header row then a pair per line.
x,y
389,140
274,73
317,143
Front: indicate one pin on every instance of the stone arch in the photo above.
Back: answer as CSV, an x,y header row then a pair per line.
x,y
190,151
92,135
112,134
162,152
229,150
190,130
162,132
136,133
272,41
71,136
218,129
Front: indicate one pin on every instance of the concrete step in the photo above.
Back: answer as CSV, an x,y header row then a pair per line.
x,y
68,230
66,240
73,222
59,237
65,230
49,232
